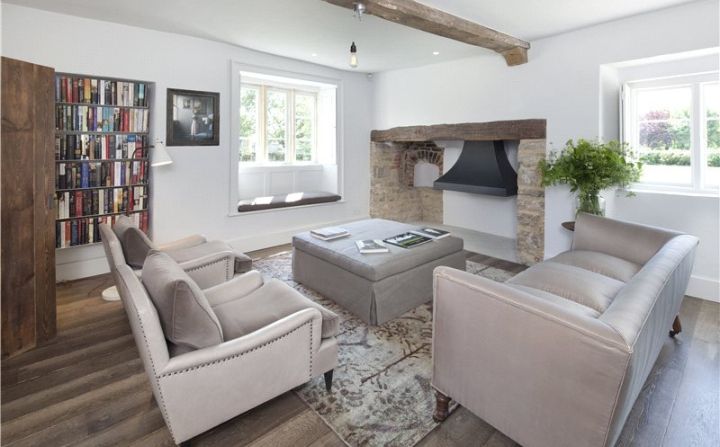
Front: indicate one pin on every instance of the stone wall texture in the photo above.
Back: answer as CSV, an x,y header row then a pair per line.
x,y
392,195
530,203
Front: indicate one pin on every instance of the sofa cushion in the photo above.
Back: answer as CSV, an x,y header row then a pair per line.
x,y
557,299
595,261
588,288
135,244
185,314
271,302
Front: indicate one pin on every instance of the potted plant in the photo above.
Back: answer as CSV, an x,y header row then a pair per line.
x,y
588,167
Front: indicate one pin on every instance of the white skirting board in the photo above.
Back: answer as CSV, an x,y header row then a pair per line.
x,y
704,288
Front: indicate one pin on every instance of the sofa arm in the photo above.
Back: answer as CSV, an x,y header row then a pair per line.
x,y
212,269
203,388
243,262
186,242
542,374
633,242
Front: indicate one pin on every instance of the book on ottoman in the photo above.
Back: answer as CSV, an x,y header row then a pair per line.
x,y
329,233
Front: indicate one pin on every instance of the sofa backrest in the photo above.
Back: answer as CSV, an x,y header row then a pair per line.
x,y
633,242
642,313
144,322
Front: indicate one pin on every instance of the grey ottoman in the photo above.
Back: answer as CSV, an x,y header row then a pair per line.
x,y
375,287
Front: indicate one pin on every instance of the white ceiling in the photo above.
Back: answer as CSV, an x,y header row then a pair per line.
x,y
318,32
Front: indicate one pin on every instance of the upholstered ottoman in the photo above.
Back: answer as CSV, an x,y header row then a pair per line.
x,y
375,287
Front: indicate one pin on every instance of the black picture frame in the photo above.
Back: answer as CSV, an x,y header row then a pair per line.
x,y
195,125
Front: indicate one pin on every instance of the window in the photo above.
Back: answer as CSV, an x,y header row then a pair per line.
x,y
672,125
277,124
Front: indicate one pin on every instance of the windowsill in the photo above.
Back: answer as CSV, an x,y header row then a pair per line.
x,y
678,191
287,208
281,166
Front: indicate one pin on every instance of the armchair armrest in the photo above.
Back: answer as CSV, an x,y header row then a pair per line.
x,y
633,242
212,269
548,365
199,389
186,242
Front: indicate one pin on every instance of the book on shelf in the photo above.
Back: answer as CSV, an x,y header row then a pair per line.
x,y
87,231
79,203
434,233
98,174
408,240
93,90
82,118
369,246
100,147
329,233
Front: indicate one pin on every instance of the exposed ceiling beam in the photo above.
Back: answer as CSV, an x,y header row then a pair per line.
x,y
528,129
424,18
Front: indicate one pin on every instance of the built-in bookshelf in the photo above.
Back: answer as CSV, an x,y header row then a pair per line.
x,y
102,166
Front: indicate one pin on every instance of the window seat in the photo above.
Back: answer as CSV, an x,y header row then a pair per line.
x,y
286,200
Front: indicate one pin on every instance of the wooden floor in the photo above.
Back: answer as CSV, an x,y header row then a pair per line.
x,y
88,388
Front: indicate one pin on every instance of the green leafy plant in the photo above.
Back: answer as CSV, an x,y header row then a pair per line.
x,y
588,167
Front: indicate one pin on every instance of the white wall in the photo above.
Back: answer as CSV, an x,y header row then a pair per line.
x,y
561,83
192,194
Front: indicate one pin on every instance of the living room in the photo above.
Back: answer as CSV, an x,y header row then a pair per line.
x,y
248,129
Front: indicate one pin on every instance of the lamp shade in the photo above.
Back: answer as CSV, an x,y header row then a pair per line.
x,y
159,155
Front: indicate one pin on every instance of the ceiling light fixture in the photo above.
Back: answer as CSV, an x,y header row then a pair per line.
x,y
358,10
353,56
435,53
314,55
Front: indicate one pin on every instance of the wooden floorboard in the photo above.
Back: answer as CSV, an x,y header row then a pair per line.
x,y
87,387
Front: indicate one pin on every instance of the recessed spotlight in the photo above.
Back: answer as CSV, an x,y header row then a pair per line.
x,y
314,55
435,53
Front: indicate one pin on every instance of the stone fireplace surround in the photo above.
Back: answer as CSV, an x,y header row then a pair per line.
x,y
394,152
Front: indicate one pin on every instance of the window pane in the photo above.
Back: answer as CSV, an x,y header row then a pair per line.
x,y
711,100
304,126
664,130
276,125
248,123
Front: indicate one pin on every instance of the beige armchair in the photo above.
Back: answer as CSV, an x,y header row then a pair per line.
x,y
207,262
557,355
213,354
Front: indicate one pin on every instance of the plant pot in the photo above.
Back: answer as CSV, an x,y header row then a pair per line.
x,y
591,203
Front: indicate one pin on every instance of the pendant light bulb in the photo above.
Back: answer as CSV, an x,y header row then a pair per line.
x,y
353,56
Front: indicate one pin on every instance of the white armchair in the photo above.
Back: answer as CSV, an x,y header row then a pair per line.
x,y
268,339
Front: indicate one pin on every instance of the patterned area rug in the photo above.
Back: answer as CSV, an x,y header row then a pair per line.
x,y
381,390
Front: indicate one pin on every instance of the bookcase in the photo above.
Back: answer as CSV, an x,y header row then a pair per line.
x,y
101,155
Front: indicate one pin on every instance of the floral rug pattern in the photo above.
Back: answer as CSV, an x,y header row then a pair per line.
x,y
381,393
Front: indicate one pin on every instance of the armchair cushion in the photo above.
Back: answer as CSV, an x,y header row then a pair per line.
x,y
135,244
242,263
185,314
271,302
237,287
588,288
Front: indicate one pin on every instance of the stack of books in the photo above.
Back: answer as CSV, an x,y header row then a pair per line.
x,y
414,238
329,233
368,246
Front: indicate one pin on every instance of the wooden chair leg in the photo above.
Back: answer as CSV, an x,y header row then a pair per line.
x,y
676,327
328,380
441,406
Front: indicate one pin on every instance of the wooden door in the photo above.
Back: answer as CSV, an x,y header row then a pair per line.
x,y
27,182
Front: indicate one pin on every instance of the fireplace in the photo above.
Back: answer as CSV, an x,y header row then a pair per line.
x,y
396,153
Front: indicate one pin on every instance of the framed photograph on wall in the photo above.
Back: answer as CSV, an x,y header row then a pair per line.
x,y
193,118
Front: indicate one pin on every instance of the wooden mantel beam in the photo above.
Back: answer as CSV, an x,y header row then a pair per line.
x,y
424,18
529,129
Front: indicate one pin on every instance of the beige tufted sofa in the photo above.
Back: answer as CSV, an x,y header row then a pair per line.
x,y
557,355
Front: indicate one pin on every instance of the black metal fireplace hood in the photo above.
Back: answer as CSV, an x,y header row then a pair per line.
x,y
482,168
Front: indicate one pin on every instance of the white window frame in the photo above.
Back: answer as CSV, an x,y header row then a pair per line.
x,y
698,136
236,68
261,155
